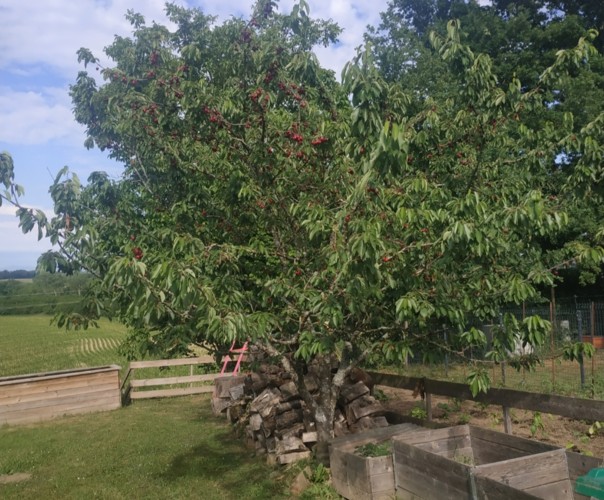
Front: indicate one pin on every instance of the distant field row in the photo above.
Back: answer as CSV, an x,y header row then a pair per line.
x,y
29,344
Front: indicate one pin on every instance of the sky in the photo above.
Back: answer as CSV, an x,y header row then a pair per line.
x,y
38,62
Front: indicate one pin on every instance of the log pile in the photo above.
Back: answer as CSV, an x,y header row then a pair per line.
x,y
266,405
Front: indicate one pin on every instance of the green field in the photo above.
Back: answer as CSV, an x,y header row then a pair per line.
x,y
29,344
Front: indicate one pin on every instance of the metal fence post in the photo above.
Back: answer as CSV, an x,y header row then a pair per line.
x,y
446,353
580,330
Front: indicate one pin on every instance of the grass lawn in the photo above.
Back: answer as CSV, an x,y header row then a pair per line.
x,y
167,448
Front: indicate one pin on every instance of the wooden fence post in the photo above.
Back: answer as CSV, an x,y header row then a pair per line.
x,y
507,420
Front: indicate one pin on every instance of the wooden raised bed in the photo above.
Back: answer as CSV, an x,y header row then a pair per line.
x,y
43,396
549,475
364,478
441,461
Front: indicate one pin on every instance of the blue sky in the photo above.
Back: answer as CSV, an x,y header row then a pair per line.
x,y
38,44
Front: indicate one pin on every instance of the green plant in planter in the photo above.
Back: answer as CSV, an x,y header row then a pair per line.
x,y
418,412
374,449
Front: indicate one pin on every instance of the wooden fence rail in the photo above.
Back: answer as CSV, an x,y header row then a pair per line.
x,y
575,408
129,387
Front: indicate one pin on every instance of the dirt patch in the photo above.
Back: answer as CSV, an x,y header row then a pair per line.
x,y
552,429
14,478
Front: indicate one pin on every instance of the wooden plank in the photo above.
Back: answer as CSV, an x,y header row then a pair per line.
x,y
165,393
201,360
492,446
61,374
448,474
576,408
374,435
72,408
487,488
150,382
559,490
527,472
414,480
338,462
50,395
429,435
579,465
44,385
61,402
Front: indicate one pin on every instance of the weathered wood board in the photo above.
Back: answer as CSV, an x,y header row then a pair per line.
x,y
364,478
443,460
43,396
549,475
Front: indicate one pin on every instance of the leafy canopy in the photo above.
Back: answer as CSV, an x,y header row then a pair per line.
x,y
263,200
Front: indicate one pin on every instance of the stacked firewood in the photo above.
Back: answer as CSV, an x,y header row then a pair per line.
x,y
266,405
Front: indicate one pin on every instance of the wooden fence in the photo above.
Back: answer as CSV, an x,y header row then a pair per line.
x,y
43,396
575,408
139,388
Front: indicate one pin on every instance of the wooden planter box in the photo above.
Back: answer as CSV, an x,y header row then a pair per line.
x,y
439,463
42,396
364,478
549,475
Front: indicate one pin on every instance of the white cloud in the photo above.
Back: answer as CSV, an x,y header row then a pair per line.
x,y
37,117
49,34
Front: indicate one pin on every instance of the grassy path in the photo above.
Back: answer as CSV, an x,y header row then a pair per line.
x,y
168,448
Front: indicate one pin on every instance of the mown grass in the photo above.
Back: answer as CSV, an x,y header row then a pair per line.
x,y
29,344
167,448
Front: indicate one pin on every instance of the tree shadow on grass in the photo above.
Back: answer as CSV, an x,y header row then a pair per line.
x,y
224,459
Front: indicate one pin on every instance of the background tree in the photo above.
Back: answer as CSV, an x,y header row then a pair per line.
x,y
259,202
522,38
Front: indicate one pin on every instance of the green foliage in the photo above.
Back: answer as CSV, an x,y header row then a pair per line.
x,y
45,294
419,413
536,424
258,202
478,380
374,449
578,351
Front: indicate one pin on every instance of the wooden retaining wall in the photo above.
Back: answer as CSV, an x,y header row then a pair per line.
x,y
42,396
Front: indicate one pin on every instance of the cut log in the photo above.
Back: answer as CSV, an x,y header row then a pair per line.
x,y
295,430
291,405
219,405
269,424
265,402
234,413
271,444
255,422
288,418
363,407
222,385
289,444
340,429
236,392
290,458
349,393
255,383
309,437
289,391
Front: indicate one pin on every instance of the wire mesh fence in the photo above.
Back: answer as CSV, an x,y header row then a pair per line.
x,y
573,320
